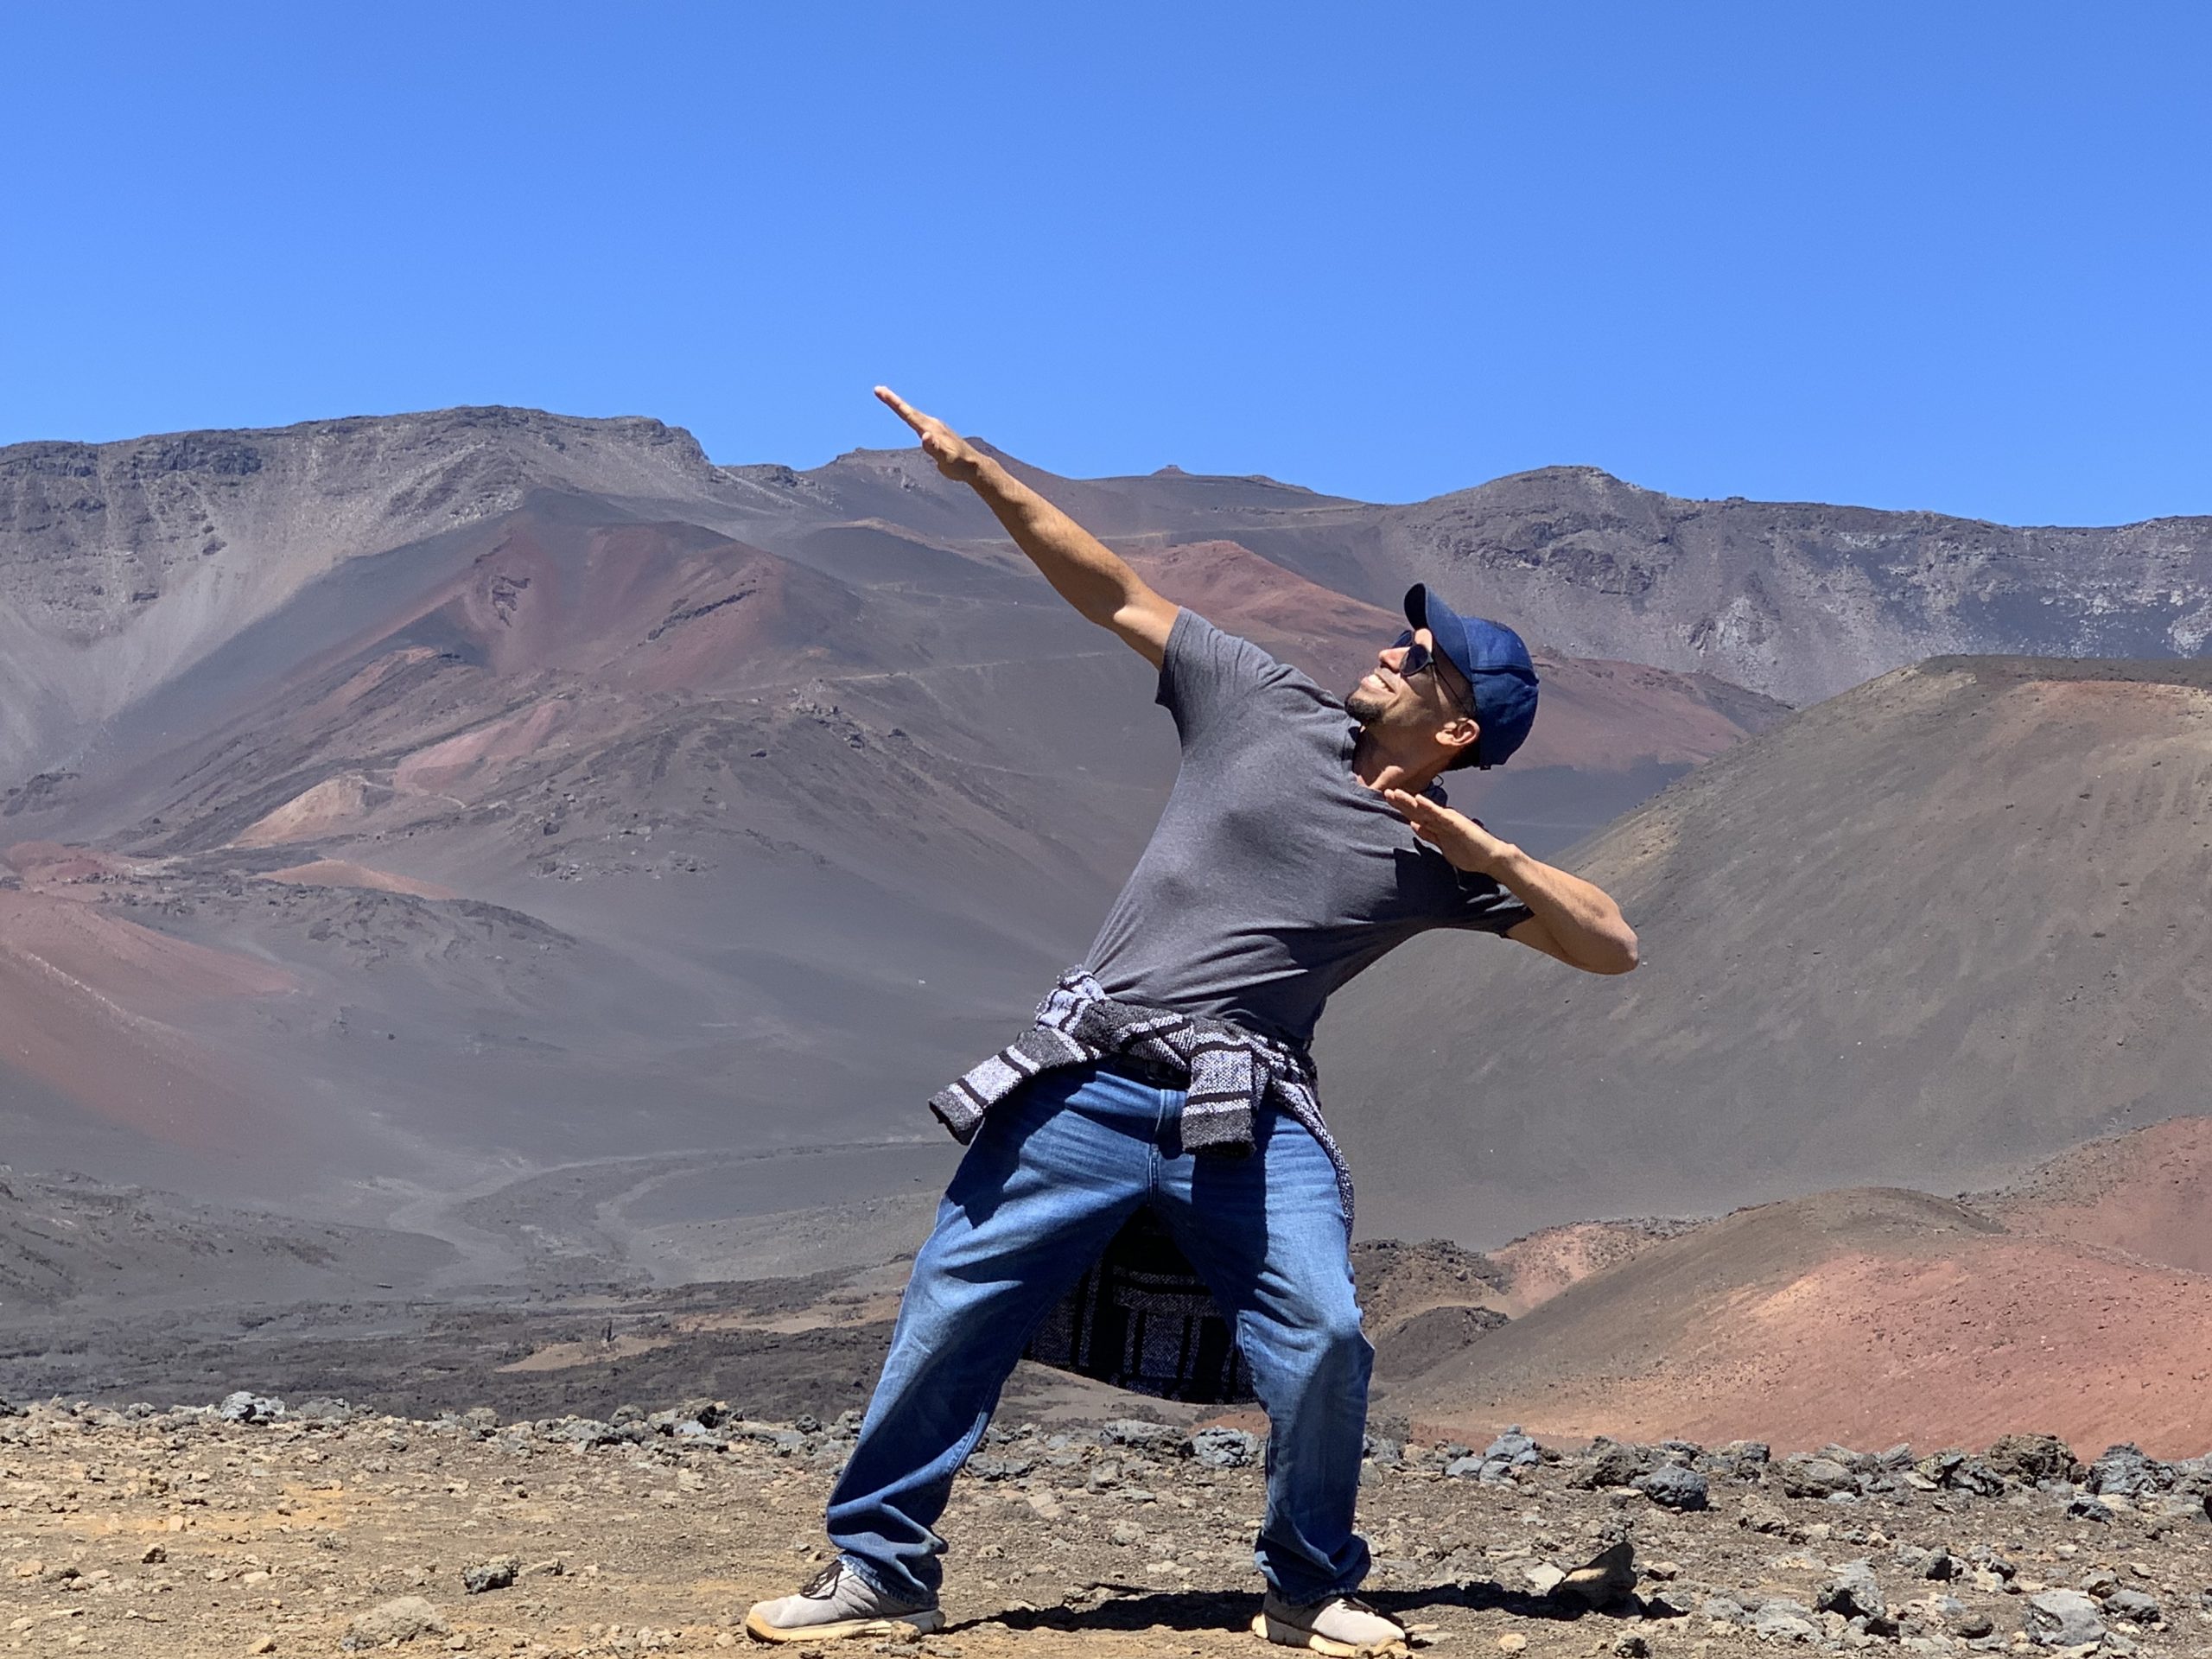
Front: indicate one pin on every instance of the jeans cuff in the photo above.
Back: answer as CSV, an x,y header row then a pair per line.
x,y
868,1576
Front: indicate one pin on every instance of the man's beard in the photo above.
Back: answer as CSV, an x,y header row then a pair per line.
x,y
1364,706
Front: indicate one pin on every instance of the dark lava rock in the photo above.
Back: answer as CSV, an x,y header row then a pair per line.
x,y
2029,1458
2064,1618
1854,1593
1737,1460
1815,1477
1614,1462
1162,1440
2124,1472
1672,1486
489,1575
1957,1471
1723,1610
2134,1604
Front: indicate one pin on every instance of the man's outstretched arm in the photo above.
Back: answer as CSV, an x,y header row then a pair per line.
x,y
1084,571
1570,919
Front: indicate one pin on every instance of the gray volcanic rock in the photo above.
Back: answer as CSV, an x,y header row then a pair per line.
x,y
122,564
1797,600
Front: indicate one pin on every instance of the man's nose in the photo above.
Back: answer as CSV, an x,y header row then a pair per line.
x,y
1391,656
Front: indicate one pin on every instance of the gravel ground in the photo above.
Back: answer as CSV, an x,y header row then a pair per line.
x,y
178,1532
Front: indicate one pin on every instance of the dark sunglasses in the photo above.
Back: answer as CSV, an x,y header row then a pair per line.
x,y
1420,660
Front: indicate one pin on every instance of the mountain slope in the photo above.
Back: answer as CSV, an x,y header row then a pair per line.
x,y
1868,1317
1922,934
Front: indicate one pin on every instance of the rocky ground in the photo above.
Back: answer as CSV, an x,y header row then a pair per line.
x,y
247,1528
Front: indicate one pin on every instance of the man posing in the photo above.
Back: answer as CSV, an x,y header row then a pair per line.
x,y
1303,840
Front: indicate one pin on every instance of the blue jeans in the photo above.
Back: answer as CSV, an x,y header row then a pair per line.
x,y
1052,1173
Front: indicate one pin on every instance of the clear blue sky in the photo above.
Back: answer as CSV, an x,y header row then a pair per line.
x,y
1932,255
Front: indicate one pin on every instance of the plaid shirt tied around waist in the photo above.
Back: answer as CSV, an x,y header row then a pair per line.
x,y
1141,1317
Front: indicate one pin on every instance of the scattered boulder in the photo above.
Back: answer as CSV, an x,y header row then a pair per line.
x,y
1854,1593
2064,1618
1674,1487
1779,1619
1724,1610
1497,1462
589,1430
1161,1439
1224,1448
2124,1472
1615,1463
2031,1459
1815,1477
1604,1579
1737,1459
2134,1605
401,1619
1513,1448
1957,1471
246,1407
490,1575
1762,1517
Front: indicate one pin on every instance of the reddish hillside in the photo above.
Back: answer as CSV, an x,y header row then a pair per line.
x,y
86,1005
655,607
1866,1317
2148,1193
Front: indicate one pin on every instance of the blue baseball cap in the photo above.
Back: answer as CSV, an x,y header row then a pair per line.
x,y
1492,659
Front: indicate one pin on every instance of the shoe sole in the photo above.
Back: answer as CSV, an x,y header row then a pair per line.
x,y
909,1624
1297,1636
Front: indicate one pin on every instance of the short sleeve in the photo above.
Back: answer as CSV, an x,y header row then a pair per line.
x,y
1481,905
1205,671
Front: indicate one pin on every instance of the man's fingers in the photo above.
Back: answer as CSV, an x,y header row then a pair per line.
x,y
898,406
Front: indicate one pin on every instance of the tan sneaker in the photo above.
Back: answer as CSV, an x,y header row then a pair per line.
x,y
1343,1627
838,1602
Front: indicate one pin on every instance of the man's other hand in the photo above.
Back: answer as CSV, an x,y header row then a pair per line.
x,y
1459,837
955,457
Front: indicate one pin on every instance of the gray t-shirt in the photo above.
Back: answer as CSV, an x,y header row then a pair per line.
x,y
1273,875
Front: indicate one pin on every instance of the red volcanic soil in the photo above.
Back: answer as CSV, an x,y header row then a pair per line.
x,y
84,1001
487,748
1868,1317
1600,716
655,607
1329,636
2148,1193
49,864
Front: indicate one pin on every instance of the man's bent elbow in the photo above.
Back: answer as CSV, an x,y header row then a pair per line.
x,y
1619,956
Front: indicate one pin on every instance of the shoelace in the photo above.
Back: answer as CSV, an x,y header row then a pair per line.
x,y
824,1584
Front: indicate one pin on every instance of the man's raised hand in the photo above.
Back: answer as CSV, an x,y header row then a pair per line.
x,y
955,456
1459,837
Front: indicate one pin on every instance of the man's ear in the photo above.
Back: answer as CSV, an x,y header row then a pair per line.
x,y
1460,732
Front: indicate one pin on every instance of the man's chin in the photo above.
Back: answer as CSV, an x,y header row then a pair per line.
x,y
1363,706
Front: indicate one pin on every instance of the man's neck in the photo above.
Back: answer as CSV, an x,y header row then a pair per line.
x,y
1379,768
